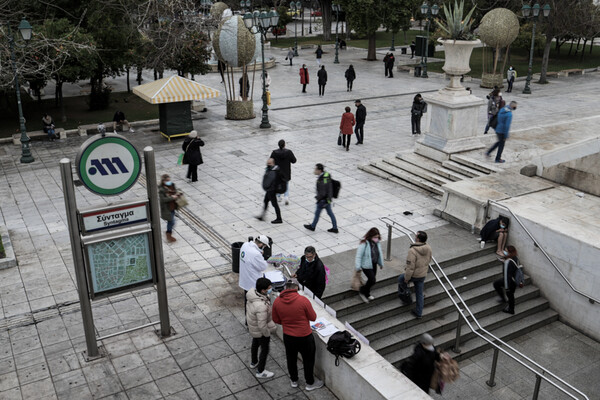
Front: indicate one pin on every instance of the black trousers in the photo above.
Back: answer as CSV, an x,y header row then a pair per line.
x,y
304,88
306,347
192,172
271,196
346,139
321,90
510,293
263,343
416,123
510,84
359,131
371,275
349,84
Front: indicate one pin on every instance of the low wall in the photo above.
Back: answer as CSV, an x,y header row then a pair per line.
x,y
366,376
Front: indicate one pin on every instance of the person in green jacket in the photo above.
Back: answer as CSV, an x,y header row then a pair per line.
x,y
368,257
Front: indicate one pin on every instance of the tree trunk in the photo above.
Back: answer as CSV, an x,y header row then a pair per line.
x,y
371,52
326,18
545,59
583,49
570,48
63,116
577,47
128,86
591,45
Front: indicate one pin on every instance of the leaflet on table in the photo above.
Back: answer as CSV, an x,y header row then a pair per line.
x,y
275,276
323,326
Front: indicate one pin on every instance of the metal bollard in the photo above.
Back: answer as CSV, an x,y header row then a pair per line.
x,y
536,390
388,252
456,347
491,382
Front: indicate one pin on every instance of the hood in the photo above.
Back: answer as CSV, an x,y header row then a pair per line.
x,y
253,296
288,296
420,248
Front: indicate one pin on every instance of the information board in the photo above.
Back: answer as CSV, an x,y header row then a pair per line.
x,y
115,217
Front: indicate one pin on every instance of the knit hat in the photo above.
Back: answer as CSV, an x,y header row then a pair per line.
x,y
193,134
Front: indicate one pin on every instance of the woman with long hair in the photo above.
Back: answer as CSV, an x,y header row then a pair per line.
x,y
508,282
368,257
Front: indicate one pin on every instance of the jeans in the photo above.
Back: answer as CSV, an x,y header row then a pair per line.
x,y
419,286
346,139
499,144
510,293
287,190
510,84
263,343
371,275
306,347
192,172
171,222
321,90
416,123
359,131
270,196
323,204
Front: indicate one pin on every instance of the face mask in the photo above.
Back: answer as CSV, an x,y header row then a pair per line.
x,y
505,252
502,226
269,291
375,239
168,183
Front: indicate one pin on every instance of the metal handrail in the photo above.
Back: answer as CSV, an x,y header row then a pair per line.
x,y
496,342
590,298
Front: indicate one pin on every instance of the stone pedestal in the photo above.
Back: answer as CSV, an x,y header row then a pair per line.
x,y
452,116
240,110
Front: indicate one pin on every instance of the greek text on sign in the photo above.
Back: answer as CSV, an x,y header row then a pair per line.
x,y
114,217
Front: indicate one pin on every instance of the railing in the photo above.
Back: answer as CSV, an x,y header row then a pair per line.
x,y
590,298
495,342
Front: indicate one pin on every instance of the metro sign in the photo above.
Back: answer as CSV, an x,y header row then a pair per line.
x,y
108,165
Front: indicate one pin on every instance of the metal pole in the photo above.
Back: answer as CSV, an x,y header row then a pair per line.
x,y
527,89
536,389
491,382
388,252
392,48
337,44
26,156
77,251
295,35
310,19
456,347
161,284
302,14
264,124
424,75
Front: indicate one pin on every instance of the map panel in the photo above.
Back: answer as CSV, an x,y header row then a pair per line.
x,y
121,262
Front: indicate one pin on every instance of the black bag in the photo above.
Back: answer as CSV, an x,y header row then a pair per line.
x,y
494,122
340,139
408,367
342,344
337,185
280,186
404,293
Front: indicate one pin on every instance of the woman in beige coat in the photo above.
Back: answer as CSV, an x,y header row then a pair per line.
x,y
260,325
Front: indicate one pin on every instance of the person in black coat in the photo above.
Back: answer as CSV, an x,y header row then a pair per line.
x,y
361,117
495,229
350,77
270,181
192,155
507,284
419,107
311,272
420,365
284,158
389,64
322,75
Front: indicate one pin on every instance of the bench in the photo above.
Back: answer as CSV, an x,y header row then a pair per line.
x,y
573,71
92,129
406,68
307,46
38,135
552,74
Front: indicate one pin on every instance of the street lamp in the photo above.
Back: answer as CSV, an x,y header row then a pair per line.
x,y
533,13
337,8
245,4
205,5
262,23
428,12
392,48
25,29
295,7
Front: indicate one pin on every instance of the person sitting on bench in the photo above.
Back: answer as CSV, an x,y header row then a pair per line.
x,y
119,119
495,229
48,126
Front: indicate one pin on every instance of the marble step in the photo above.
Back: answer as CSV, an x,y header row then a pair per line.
x,y
417,170
474,163
462,169
408,177
431,166
390,177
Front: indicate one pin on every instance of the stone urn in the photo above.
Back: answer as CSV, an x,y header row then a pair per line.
x,y
457,55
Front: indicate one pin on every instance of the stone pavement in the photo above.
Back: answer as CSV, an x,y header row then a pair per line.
x,y
41,334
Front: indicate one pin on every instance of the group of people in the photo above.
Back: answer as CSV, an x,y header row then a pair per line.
x,y
353,123
350,76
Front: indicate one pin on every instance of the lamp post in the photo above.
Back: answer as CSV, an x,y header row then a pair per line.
x,y
527,13
392,48
205,5
245,5
310,17
337,8
428,12
295,7
262,23
25,29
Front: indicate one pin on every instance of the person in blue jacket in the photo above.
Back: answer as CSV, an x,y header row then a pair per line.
x,y
368,257
502,130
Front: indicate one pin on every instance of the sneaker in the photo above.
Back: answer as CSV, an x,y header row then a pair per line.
x,y
487,155
253,365
287,201
333,230
294,384
309,227
500,161
279,199
371,298
417,316
482,244
264,374
115,132
277,221
363,298
259,217
316,385
131,130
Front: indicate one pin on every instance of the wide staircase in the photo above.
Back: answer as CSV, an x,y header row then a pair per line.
x,y
418,171
393,331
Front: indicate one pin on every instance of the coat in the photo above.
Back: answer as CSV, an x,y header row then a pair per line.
x,y
259,315
504,121
290,54
270,178
191,147
319,52
361,114
422,365
363,258
252,265
322,75
312,275
284,159
350,74
324,188
304,76
419,107
294,313
165,199
347,123
417,261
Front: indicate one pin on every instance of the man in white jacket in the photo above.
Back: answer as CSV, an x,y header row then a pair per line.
x,y
252,264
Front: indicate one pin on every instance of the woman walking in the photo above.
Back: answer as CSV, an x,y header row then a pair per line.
x,y
290,55
346,125
350,77
319,54
192,155
322,75
260,325
507,284
168,195
304,77
368,257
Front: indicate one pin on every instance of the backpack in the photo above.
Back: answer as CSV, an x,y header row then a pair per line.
x,y
519,275
336,188
494,121
342,344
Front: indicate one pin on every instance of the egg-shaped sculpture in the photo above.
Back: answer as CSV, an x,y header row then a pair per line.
x,y
216,10
234,43
499,28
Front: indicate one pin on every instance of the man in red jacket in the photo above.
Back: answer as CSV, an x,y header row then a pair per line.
x,y
294,313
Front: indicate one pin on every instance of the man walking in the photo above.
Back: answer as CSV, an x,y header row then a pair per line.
x,y
502,130
252,264
322,80
271,180
361,116
390,65
284,158
419,107
417,266
324,196
294,313
413,46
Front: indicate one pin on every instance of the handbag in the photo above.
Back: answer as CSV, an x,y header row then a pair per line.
x,y
340,139
181,201
182,159
357,281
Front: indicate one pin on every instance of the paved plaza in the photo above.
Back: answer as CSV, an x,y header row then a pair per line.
x,y
41,333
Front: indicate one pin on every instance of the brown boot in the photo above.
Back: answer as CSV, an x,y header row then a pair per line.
x,y
170,238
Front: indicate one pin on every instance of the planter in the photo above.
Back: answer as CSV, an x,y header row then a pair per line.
x,y
457,55
239,110
491,80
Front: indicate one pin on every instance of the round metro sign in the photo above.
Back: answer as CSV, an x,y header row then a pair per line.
x,y
108,165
